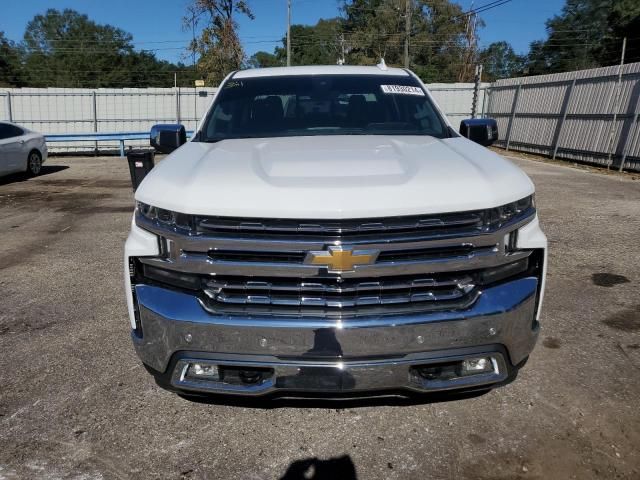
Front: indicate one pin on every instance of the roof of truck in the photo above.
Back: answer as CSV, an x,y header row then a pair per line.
x,y
320,70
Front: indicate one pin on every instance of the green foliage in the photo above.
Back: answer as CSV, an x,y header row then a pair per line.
x,y
264,60
218,48
376,29
440,51
587,34
10,63
319,44
500,61
373,29
67,49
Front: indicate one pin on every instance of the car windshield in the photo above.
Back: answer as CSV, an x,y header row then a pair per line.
x,y
283,106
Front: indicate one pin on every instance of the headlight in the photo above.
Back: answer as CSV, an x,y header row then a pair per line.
x,y
505,213
165,218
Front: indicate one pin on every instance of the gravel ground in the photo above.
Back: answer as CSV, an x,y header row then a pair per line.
x,y
75,403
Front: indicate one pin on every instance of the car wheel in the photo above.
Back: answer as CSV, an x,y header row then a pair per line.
x,y
34,163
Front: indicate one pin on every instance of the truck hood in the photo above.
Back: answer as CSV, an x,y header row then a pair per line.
x,y
332,177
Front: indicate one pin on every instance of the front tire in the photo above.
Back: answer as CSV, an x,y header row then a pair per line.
x,y
34,163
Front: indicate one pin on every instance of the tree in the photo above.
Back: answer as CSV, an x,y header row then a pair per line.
x,y
587,34
264,60
318,44
373,29
219,48
10,63
67,49
440,44
624,21
376,29
500,61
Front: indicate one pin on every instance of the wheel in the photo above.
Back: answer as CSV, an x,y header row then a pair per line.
x,y
34,163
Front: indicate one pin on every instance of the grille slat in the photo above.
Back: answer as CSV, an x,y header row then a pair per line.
x,y
414,254
336,295
335,287
467,220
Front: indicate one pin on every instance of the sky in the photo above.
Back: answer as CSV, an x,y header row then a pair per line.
x,y
157,24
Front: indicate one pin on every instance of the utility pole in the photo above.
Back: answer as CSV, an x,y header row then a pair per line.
x,y
341,60
193,65
193,40
175,86
407,32
288,33
469,57
476,88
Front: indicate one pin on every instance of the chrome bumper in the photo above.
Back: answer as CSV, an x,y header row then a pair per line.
x,y
355,354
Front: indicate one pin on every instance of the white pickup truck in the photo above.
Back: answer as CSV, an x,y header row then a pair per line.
x,y
326,230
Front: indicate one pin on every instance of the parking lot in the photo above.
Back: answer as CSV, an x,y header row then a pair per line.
x,y
75,402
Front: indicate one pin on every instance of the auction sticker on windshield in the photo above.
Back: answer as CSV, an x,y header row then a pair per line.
x,y
402,90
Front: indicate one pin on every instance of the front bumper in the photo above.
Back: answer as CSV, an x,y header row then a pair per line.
x,y
327,355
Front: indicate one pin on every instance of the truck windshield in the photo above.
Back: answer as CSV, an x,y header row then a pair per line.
x,y
282,106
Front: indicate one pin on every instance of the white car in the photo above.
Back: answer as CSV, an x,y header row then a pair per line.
x,y
21,150
327,230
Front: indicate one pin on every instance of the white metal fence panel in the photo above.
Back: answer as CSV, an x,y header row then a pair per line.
x,y
590,115
68,111
456,99
72,110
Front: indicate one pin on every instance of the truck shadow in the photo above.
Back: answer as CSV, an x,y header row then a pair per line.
x,y
340,468
334,401
22,177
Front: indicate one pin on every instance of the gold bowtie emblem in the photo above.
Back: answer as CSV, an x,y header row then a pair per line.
x,y
341,259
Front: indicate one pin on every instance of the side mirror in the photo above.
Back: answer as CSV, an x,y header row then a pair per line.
x,y
480,130
167,137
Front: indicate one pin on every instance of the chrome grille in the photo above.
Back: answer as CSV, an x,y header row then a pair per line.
x,y
226,295
343,228
416,263
331,293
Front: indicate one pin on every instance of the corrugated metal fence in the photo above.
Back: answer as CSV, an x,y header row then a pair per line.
x,y
68,111
589,115
71,110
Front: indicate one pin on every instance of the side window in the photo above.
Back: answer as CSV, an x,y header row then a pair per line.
x,y
9,131
15,131
4,131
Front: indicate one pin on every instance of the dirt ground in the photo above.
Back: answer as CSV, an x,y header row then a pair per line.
x,y
75,402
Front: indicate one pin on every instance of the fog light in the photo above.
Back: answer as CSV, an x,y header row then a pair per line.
x,y
454,370
439,372
475,366
203,371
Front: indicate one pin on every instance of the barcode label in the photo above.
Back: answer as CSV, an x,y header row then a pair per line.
x,y
402,90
